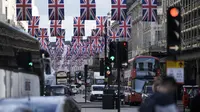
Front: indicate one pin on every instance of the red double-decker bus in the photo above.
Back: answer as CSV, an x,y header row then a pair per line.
x,y
143,70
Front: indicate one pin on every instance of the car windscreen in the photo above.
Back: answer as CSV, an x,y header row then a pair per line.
x,y
98,88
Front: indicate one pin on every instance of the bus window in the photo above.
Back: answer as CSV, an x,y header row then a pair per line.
x,y
150,66
141,66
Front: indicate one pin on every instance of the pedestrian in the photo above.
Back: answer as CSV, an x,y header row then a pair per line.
x,y
163,98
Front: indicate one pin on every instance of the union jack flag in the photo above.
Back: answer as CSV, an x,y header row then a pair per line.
x,y
43,38
79,27
125,28
55,27
102,41
68,52
85,49
33,26
24,10
113,35
96,43
90,48
76,44
88,9
100,23
118,11
149,10
60,41
56,10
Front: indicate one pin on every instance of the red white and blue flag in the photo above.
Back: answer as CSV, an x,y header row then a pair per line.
x,y
24,10
60,41
149,10
96,43
90,49
55,27
85,49
33,26
118,10
79,27
76,44
114,36
102,41
87,9
56,9
125,28
100,23
43,38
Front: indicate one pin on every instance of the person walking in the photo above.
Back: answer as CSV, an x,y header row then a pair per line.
x,y
163,98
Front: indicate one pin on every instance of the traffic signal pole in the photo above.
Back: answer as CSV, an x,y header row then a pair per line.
x,y
105,50
86,73
118,76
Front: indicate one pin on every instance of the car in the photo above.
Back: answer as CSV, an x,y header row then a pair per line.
x,y
96,92
46,104
60,90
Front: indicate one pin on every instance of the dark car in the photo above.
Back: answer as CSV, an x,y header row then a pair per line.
x,y
60,90
46,104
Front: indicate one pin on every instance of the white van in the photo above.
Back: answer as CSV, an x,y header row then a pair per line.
x,y
96,92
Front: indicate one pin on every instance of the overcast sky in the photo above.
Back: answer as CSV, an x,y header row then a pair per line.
x,y
72,9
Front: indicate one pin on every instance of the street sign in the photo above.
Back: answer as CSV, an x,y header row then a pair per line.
x,y
176,70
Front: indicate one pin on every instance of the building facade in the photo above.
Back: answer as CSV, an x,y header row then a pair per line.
x,y
147,37
190,36
8,14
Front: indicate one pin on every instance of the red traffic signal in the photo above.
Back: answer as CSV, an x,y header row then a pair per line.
x,y
124,43
174,12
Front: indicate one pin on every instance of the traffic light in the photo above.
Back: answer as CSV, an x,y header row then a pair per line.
x,y
24,60
112,52
123,53
107,67
173,30
101,67
79,75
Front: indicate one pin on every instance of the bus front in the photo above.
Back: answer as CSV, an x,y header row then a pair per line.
x,y
145,68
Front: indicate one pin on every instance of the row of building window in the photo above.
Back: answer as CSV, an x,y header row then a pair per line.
x,y
191,19
194,33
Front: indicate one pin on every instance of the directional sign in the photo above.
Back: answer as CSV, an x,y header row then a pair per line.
x,y
176,48
176,70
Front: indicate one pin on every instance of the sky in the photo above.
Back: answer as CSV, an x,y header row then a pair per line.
x,y
72,9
